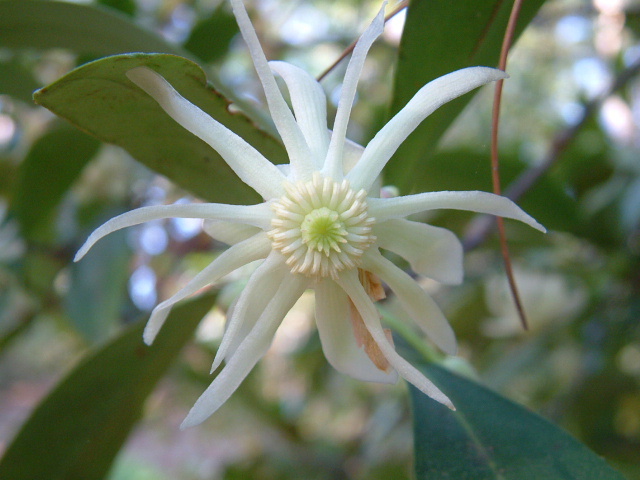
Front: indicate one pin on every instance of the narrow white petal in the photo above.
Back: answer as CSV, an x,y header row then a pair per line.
x,y
228,232
309,106
352,154
350,283
333,167
252,349
473,201
350,158
254,248
420,306
429,98
433,252
249,164
256,215
299,154
260,288
337,337
246,318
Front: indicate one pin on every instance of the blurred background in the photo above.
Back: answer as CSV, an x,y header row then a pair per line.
x,y
571,111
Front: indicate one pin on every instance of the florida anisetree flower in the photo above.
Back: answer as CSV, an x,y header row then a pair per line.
x,y
320,227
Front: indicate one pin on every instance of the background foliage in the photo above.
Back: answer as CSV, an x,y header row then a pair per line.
x,y
569,153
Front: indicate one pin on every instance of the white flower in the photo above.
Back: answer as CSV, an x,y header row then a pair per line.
x,y
318,227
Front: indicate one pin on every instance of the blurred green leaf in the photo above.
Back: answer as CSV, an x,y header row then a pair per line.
x,y
17,81
99,99
39,269
51,166
98,283
77,430
81,28
8,176
441,36
211,36
468,170
490,437
586,163
128,7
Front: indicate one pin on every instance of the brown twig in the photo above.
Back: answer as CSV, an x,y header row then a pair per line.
x,y
482,226
495,164
401,6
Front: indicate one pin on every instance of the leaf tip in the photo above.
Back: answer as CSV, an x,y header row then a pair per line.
x,y
37,94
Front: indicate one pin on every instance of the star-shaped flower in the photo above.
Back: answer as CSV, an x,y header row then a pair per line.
x,y
319,226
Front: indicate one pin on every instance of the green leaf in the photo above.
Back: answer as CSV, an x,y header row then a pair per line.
x,y
8,175
468,170
586,163
81,28
98,284
490,437
128,7
16,80
99,99
441,36
77,430
210,38
51,166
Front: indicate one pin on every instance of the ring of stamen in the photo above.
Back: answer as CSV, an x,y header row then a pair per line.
x,y
322,227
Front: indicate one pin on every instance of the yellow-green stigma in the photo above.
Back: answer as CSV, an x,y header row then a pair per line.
x,y
322,227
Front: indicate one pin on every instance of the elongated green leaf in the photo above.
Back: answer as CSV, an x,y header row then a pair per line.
x,y
468,170
77,430
81,28
490,437
51,166
441,36
98,284
99,99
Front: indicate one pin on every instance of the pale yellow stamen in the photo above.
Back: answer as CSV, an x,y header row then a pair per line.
x,y
321,226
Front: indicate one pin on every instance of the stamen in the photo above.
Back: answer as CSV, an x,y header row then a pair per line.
x,y
321,226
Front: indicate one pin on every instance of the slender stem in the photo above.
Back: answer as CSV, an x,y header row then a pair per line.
x,y
495,163
401,6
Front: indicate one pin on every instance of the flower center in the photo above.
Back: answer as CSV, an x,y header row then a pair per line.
x,y
322,227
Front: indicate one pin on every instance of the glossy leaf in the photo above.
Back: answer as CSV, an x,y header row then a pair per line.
x,y
439,37
46,24
489,437
77,430
99,99
51,166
